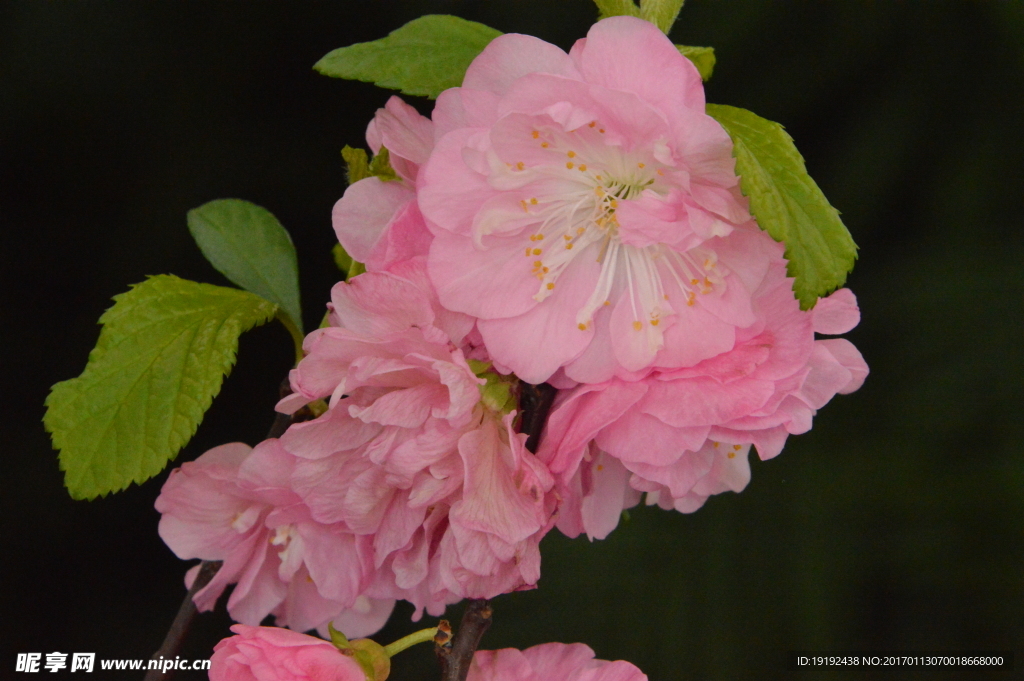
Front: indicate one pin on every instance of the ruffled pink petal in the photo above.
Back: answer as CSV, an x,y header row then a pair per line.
x,y
509,57
461,108
366,616
846,354
490,501
609,495
704,401
492,283
538,342
405,132
624,53
364,212
838,313
405,236
450,191
378,303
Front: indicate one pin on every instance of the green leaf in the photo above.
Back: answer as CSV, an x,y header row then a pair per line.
x,y
163,352
788,204
425,57
702,57
248,245
616,8
661,13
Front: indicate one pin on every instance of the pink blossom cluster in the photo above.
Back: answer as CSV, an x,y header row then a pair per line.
x,y
409,486
262,653
572,218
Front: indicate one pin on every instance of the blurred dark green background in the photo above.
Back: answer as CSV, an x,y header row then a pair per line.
x,y
896,524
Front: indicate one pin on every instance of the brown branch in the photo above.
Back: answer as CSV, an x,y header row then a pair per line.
x,y
171,646
534,404
456,655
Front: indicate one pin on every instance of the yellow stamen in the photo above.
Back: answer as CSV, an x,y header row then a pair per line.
x,y
654,322
592,123
583,167
570,165
535,134
581,327
544,145
520,165
568,247
551,286
571,154
641,165
637,326
537,251
534,202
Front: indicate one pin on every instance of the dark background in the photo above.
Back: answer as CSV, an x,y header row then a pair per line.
x,y
896,524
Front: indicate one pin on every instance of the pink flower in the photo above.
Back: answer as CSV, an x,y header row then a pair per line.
x,y
378,222
408,455
683,435
235,504
586,210
549,661
268,653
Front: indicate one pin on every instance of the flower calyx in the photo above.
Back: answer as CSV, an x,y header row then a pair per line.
x,y
370,655
497,394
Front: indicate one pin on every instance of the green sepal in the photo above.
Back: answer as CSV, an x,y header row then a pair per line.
x,y
661,13
250,247
372,657
163,352
345,263
788,204
478,366
380,166
339,639
616,8
702,57
357,164
424,57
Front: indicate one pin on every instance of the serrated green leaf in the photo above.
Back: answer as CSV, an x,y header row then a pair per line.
x,y
426,56
616,8
788,204
162,355
357,164
661,13
250,247
702,57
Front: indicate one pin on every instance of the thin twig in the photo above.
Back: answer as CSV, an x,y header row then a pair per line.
x,y
534,404
456,655
171,646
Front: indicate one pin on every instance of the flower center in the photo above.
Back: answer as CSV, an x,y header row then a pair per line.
x,y
575,203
